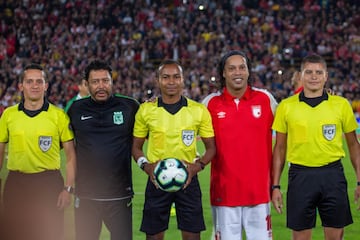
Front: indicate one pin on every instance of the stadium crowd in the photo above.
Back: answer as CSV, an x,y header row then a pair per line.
x,y
134,35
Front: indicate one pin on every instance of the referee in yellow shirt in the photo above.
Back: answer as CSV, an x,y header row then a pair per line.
x,y
309,129
35,194
171,124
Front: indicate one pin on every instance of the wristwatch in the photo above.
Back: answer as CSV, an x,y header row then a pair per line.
x,y
202,165
69,189
141,162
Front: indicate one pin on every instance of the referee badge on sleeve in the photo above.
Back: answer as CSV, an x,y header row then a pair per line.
x,y
45,143
188,137
329,131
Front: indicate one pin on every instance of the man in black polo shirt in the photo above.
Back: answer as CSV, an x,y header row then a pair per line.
x,y
103,125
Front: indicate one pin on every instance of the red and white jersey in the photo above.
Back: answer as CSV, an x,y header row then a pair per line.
x,y
240,171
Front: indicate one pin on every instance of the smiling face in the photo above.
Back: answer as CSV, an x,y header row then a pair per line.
x,y
313,77
33,85
236,74
171,82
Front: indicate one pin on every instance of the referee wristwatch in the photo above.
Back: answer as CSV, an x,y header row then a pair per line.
x,y
202,165
69,189
273,187
141,162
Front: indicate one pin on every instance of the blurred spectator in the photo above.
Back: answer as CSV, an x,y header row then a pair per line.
x,y
296,82
82,91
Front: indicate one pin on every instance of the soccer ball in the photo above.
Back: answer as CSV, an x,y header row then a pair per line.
x,y
170,174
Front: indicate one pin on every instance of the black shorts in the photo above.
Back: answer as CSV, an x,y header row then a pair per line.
x,y
322,189
189,212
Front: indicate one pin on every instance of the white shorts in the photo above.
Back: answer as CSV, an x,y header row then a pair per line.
x,y
229,222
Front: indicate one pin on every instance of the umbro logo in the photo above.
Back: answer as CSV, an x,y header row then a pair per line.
x,y
221,114
85,117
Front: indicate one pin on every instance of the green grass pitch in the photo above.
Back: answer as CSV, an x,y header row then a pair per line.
x,y
280,232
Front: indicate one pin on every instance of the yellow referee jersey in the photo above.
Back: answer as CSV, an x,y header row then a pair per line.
x,y
172,135
34,142
314,134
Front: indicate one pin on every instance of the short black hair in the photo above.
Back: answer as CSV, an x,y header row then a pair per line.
x,y
168,62
96,65
313,58
35,66
223,61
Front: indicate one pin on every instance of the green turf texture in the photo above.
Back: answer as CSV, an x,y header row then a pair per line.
x,y
280,232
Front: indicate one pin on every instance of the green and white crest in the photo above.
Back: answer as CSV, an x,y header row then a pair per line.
x,y
118,118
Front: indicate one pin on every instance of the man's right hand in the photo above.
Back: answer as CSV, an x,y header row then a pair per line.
x,y
277,200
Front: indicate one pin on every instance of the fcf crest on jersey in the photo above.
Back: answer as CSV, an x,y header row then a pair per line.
x,y
118,118
45,143
188,137
329,131
256,111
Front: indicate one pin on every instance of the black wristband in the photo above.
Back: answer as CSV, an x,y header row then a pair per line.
x,y
275,187
358,183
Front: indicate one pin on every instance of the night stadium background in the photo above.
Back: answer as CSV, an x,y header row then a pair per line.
x,y
135,35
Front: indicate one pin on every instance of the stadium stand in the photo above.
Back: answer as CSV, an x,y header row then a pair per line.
x,y
134,35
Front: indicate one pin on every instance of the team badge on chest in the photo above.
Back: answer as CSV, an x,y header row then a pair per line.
x,y
329,131
188,137
45,143
256,111
118,118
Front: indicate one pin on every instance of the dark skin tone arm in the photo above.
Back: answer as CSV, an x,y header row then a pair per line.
x,y
192,168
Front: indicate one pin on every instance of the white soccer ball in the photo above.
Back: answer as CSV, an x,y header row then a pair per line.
x,y
170,174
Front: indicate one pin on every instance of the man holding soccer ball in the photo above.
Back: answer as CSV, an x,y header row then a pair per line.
x,y
171,123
